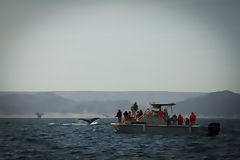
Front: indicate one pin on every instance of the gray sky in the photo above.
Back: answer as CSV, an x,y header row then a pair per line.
x,y
122,45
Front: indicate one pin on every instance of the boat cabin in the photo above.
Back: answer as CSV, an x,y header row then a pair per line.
x,y
151,115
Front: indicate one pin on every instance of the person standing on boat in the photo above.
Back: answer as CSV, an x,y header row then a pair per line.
x,y
134,109
187,121
137,115
165,114
125,114
160,113
174,119
119,115
192,118
129,116
180,119
140,113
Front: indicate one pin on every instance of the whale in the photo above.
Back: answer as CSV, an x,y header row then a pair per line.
x,y
88,120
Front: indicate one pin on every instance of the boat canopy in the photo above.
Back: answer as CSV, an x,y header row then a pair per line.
x,y
159,105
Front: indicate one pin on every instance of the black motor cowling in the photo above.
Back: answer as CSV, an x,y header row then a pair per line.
x,y
213,129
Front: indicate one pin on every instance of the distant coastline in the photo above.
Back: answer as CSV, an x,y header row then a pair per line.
x,y
76,104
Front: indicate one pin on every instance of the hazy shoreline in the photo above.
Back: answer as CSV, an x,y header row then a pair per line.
x,y
90,115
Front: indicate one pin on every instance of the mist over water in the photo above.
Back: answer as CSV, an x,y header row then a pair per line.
x,y
74,139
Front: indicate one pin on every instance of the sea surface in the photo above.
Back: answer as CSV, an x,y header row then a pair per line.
x,y
56,139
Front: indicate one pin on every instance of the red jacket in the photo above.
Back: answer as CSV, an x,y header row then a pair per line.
x,y
192,117
129,116
160,113
180,120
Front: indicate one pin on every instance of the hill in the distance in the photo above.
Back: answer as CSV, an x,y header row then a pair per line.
x,y
48,102
142,97
21,103
223,103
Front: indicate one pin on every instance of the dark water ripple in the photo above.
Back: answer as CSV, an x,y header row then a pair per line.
x,y
71,139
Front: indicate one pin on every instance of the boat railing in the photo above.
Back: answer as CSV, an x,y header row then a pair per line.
x,y
140,117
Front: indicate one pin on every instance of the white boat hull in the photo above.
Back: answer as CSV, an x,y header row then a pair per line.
x,y
160,129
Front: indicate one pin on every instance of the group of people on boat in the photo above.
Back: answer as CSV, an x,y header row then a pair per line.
x,y
178,120
128,115
136,114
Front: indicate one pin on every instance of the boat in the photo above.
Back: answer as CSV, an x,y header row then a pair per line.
x,y
39,115
151,122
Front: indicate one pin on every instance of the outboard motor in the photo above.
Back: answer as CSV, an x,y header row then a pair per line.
x,y
213,129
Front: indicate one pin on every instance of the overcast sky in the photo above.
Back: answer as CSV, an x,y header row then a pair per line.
x,y
165,45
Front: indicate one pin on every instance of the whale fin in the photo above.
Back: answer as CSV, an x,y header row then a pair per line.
x,y
88,120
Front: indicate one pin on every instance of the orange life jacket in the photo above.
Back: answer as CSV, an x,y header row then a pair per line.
x,y
137,116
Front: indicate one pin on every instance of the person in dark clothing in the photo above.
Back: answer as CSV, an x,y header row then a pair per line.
x,y
119,115
125,114
187,121
140,113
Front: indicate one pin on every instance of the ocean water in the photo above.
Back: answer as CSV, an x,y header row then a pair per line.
x,y
56,139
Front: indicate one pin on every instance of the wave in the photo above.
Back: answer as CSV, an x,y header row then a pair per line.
x,y
66,124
